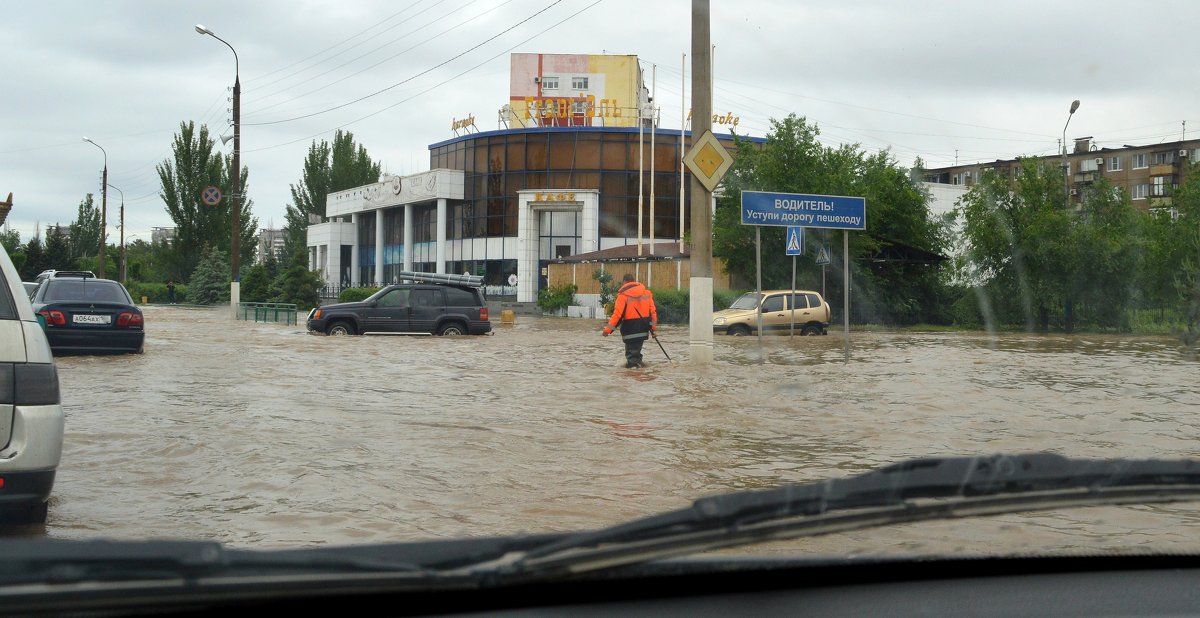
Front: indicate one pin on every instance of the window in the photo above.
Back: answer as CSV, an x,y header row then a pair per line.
x,y
457,297
579,107
773,303
1140,191
549,83
1139,161
799,301
579,83
1114,164
426,298
1159,185
1164,158
395,298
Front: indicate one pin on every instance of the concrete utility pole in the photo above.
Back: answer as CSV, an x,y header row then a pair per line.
x,y
121,264
103,274
235,197
701,285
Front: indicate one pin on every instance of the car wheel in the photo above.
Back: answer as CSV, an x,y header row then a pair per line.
x,y
340,328
811,330
452,329
738,330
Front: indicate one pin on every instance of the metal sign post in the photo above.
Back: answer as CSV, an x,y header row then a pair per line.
x,y
793,247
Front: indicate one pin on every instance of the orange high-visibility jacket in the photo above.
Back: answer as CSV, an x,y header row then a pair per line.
x,y
634,311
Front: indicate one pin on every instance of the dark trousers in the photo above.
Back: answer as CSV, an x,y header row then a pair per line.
x,y
633,352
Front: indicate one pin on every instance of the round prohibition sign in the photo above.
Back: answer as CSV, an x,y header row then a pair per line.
x,y
211,195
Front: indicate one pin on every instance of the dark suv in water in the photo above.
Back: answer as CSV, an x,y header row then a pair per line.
x,y
425,303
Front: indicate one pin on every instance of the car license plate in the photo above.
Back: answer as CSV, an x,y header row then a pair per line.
x,y
91,319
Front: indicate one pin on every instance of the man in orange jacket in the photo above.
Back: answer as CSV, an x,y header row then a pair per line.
x,y
635,312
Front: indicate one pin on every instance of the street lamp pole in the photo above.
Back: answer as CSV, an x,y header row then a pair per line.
x,y
235,180
1066,169
103,209
121,265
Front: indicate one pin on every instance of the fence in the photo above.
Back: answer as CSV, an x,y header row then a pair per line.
x,y
268,312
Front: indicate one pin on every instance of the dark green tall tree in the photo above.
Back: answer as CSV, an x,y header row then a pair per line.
x,y
58,249
85,231
193,166
328,168
209,283
35,258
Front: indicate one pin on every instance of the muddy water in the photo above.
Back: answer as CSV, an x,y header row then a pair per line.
x,y
260,435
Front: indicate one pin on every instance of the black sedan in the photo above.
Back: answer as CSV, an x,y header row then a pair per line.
x,y
85,314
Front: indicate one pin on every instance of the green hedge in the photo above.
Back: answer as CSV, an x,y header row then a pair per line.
x,y
154,292
674,306
354,295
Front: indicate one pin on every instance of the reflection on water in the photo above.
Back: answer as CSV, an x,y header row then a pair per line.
x,y
261,435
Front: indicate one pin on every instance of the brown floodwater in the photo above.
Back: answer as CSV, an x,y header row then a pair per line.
x,y
261,435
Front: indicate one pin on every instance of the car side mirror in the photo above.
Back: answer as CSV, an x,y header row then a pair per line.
x,y
374,303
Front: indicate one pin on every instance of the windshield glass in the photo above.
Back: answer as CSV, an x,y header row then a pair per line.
x,y
748,300
978,235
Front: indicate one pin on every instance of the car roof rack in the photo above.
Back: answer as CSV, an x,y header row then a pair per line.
x,y
471,280
73,273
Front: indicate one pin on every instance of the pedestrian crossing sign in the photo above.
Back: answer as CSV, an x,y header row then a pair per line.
x,y
795,240
823,256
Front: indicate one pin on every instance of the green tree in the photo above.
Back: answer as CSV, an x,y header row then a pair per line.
x,y
193,167
58,250
35,258
209,283
256,286
85,231
328,168
10,239
298,284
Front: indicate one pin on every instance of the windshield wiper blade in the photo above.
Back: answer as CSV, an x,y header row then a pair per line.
x,y
915,490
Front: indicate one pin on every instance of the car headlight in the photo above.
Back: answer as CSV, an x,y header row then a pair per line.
x,y
718,321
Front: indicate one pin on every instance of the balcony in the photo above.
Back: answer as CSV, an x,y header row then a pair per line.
x,y
1162,169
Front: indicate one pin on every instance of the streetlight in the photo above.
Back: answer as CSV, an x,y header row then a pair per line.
x,y
1066,166
103,207
235,181
121,266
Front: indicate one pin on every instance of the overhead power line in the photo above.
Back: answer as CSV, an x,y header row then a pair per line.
x,y
425,72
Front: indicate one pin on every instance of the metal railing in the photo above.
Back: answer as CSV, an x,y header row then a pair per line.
x,y
268,312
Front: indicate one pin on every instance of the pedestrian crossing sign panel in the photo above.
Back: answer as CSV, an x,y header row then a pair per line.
x,y
795,240
823,256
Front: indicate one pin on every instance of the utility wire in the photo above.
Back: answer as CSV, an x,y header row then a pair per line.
x,y
405,81
392,57
437,85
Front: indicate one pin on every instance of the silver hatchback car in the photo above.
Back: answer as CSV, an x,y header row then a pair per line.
x,y
31,414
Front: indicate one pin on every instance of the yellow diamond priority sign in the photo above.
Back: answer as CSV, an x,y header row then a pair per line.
x,y
708,160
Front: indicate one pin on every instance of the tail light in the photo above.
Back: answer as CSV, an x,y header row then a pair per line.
x,y
53,317
483,313
129,319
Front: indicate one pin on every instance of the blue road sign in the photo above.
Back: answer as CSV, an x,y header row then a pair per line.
x,y
795,241
835,212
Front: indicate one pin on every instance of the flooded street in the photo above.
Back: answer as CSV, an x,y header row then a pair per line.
x,y
260,435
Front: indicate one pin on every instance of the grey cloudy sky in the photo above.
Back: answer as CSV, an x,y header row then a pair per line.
x,y
942,80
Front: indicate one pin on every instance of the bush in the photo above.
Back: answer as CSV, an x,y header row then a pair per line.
x,y
154,292
672,305
723,298
354,295
557,298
